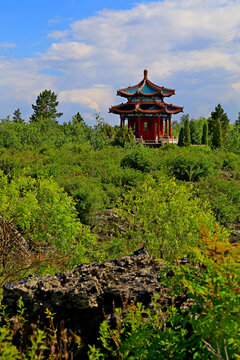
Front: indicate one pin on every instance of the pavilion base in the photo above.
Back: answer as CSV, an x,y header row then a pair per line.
x,y
157,143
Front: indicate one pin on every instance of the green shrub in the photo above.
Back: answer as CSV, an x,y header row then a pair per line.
x,y
46,214
224,197
189,166
89,198
124,136
163,216
206,327
138,159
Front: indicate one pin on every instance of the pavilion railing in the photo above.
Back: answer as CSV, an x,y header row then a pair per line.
x,y
158,142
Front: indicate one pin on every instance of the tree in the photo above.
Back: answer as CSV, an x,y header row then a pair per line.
x,y
186,132
184,135
17,116
124,136
108,131
237,122
217,141
196,129
46,107
176,126
232,141
181,137
183,119
205,134
222,116
77,119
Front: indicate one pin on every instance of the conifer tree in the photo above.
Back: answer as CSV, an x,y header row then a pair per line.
x,y
78,119
181,137
217,141
46,107
205,134
237,122
186,132
17,116
218,113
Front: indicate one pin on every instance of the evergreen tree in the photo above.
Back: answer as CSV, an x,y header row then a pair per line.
x,y
181,137
46,107
77,119
184,118
17,116
108,131
217,141
186,133
196,129
205,134
237,122
222,116
124,136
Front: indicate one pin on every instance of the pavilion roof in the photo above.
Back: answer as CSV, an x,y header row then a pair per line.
x,y
146,88
146,107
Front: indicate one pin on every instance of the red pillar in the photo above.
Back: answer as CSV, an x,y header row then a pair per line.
x,y
161,128
154,129
139,127
170,127
166,128
158,124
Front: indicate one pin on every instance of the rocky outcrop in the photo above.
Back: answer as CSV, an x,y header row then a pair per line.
x,y
80,297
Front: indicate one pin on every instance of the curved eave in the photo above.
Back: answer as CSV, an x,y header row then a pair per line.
x,y
117,109
160,90
123,92
136,108
175,109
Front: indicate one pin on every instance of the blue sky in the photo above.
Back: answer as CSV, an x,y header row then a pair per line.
x,y
27,23
86,50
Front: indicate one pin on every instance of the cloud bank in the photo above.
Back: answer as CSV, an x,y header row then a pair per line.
x,y
190,45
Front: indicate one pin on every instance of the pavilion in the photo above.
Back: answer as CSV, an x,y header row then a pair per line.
x,y
147,113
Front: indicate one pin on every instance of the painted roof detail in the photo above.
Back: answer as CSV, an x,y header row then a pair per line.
x,y
145,88
145,98
150,107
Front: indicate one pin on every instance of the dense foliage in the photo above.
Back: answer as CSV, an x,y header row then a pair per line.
x,y
59,185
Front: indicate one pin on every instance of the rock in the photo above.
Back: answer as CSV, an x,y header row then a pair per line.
x,y
80,297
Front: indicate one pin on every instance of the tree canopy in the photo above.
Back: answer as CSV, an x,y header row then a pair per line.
x,y
17,116
46,107
218,113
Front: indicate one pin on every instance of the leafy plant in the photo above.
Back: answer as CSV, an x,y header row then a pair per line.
x,y
163,216
138,159
207,327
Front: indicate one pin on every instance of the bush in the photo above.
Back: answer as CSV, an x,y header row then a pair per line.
x,y
223,196
124,136
189,166
138,159
46,214
163,216
206,328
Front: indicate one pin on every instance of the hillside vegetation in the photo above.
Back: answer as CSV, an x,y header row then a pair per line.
x,y
71,193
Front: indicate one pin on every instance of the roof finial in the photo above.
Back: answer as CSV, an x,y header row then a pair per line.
x,y
145,73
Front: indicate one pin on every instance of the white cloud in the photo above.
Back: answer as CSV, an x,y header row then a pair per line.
x,y
190,45
236,86
94,97
69,50
7,45
57,35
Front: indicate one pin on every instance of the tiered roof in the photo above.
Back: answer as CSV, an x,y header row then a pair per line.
x,y
146,98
